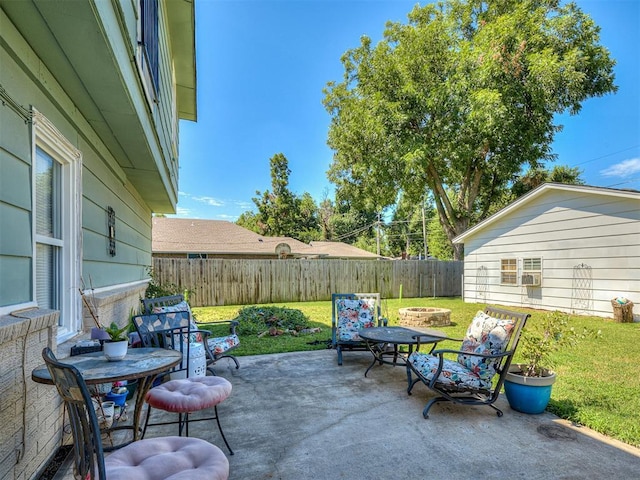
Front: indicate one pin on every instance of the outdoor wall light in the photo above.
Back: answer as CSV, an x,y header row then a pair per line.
x,y
111,230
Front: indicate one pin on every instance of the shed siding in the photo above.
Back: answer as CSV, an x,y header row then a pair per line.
x,y
566,229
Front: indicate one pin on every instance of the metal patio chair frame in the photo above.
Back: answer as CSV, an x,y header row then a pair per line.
x,y
89,459
463,394
149,304
379,321
174,338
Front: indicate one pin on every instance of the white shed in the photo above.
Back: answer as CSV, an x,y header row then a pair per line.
x,y
560,247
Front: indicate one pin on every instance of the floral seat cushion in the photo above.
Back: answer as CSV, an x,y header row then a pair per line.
x,y
217,345
220,345
353,315
485,335
177,308
453,374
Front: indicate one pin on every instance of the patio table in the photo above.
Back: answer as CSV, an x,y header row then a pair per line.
x,y
143,364
379,339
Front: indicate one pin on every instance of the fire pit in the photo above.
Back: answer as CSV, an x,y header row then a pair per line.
x,y
424,317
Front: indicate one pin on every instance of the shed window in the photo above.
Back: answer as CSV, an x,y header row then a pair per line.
x,y
532,264
509,271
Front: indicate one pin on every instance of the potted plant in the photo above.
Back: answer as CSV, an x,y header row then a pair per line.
x,y
115,348
528,384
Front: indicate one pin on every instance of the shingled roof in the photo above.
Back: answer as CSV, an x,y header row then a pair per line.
x,y
182,236
340,250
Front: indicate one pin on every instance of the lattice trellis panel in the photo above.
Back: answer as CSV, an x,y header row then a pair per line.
x,y
481,282
582,289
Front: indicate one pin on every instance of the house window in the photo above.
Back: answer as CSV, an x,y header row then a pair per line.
x,y
509,271
532,264
56,225
148,47
531,272
49,244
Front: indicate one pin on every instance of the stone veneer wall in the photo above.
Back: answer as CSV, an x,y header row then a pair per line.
x,y
31,414
113,305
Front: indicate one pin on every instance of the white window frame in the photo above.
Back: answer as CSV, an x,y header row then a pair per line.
x,y
47,137
532,266
510,272
142,61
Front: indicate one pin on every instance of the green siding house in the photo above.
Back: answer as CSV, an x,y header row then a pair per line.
x,y
91,92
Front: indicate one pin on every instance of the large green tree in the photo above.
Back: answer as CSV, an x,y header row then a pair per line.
x,y
459,101
278,209
407,229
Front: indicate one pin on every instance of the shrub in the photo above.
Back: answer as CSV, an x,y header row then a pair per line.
x,y
255,320
155,289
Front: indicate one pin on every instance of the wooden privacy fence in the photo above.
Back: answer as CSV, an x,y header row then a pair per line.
x,y
247,282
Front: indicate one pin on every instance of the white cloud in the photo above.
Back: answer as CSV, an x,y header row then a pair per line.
x,y
183,212
244,205
183,194
212,202
223,216
622,169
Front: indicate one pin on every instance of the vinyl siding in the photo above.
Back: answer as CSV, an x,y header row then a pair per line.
x,y
104,183
565,229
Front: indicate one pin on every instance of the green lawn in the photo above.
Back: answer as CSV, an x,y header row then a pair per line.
x,y
598,384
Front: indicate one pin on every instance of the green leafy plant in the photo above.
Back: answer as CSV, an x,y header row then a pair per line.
x,y
255,320
541,339
117,333
156,289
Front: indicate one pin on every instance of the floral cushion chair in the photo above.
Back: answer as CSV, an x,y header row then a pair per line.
x,y
487,349
351,312
216,347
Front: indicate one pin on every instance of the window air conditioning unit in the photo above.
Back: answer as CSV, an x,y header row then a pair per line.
x,y
530,279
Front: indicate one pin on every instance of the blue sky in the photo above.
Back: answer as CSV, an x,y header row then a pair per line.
x,y
262,66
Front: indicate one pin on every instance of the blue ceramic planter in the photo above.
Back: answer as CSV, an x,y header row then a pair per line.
x,y
117,398
528,394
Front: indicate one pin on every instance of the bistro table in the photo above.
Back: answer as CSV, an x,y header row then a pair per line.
x,y
143,364
379,339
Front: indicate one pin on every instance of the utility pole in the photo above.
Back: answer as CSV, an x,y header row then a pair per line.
x,y
424,231
378,235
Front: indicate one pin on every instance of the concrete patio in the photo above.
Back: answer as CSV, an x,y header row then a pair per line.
x,y
301,416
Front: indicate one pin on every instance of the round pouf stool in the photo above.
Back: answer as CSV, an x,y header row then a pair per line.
x,y
190,395
171,458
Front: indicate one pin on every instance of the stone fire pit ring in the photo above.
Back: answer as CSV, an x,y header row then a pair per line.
x,y
424,317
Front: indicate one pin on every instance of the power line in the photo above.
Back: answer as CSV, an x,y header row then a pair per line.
x,y
607,155
633,180
356,231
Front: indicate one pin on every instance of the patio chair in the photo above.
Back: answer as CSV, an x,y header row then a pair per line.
x,y
159,458
351,312
216,347
487,349
189,389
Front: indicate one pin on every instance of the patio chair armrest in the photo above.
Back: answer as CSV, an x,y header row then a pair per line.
x,y
442,351
419,336
205,334
233,324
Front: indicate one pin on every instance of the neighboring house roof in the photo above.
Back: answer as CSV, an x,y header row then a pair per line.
x,y
538,192
219,237
341,250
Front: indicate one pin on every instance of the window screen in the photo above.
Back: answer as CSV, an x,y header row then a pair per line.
x,y
509,271
48,228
